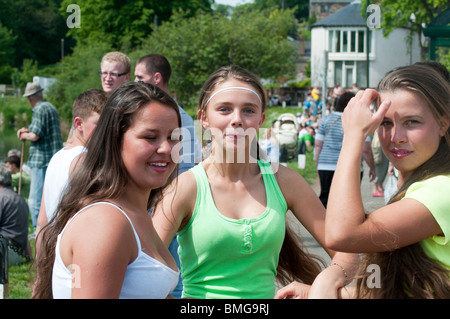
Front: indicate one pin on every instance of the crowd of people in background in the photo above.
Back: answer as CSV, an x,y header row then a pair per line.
x,y
135,203
311,117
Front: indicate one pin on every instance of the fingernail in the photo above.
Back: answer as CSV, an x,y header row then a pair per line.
x,y
388,102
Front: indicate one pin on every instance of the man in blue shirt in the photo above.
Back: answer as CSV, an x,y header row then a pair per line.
x,y
44,132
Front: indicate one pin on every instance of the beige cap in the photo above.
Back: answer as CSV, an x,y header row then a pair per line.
x,y
32,88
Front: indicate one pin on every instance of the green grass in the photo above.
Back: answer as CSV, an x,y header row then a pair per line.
x,y
273,112
20,281
309,173
20,276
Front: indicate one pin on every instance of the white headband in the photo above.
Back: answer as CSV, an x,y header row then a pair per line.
x,y
233,88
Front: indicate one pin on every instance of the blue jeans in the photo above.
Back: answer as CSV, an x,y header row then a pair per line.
x,y
36,188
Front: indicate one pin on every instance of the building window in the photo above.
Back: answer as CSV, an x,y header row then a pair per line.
x,y
361,41
352,41
324,8
349,41
348,72
344,41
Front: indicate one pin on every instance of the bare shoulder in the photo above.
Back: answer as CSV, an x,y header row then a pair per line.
x,y
99,224
182,189
177,202
101,213
296,190
99,228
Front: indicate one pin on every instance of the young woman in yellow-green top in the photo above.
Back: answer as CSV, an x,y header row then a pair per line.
x,y
229,212
409,238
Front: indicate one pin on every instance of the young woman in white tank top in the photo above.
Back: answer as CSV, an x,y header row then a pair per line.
x,y
144,276
102,243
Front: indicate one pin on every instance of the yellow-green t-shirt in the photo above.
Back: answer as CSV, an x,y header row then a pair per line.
x,y
433,193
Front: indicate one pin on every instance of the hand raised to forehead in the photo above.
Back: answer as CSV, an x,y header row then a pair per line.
x,y
359,118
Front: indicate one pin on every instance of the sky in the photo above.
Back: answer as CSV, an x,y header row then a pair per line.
x,y
233,2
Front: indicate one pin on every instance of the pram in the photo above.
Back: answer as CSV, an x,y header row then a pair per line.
x,y
286,130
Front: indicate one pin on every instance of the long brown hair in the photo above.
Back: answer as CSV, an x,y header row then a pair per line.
x,y
294,264
102,175
407,272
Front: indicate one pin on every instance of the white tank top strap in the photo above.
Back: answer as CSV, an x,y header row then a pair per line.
x,y
138,242
145,277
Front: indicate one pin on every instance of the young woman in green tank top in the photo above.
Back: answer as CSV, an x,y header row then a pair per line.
x,y
229,211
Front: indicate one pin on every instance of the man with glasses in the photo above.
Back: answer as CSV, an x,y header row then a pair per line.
x,y
115,69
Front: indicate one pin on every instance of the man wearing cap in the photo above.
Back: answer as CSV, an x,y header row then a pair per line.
x,y
44,132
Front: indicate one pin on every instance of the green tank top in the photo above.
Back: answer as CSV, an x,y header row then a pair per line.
x,y
223,257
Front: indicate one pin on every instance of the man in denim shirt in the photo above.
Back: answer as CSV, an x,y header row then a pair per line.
x,y
44,132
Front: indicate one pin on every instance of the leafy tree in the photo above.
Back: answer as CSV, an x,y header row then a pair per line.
x,y
409,14
6,53
223,9
29,69
444,56
196,46
37,27
6,45
123,24
79,72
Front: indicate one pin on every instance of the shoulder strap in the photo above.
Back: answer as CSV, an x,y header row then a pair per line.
x,y
120,209
332,125
265,167
273,190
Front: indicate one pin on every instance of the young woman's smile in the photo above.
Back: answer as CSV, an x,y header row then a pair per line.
x,y
147,145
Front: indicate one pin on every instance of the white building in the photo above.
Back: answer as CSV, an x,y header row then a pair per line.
x,y
342,37
44,82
